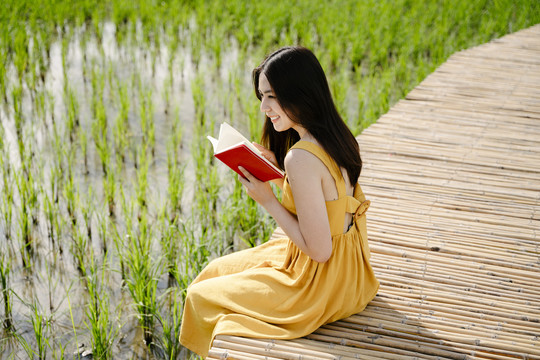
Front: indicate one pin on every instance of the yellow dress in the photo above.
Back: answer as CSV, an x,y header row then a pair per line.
x,y
274,290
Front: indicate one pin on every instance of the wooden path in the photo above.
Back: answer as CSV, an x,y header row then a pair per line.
x,y
453,173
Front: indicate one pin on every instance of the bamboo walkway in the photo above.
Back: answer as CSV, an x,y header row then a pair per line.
x,y
453,174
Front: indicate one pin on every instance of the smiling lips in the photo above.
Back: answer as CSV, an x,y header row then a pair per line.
x,y
273,118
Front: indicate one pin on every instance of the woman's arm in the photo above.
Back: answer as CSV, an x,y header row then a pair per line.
x,y
309,230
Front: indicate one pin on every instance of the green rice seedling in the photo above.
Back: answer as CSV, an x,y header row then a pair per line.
x,y
109,188
49,108
24,218
173,43
87,210
65,40
169,341
175,172
26,347
146,110
144,272
175,189
86,73
33,170
57,166
32,76
103,226
2,145
40,325
20,53
40,107
42,61
119,233
51,213
206,189
5,270
83,146
71,317
207,184
17,95
80,251
215,43
340,86
122,15
111,78
169,233
103,331
101,221
72,119
142,177
197,91
71,196
97,80
97,24
56,171
58,351
121,128
99,133
52,282
167,84
175,139
51,207
246,221
3,67
196,248
7,199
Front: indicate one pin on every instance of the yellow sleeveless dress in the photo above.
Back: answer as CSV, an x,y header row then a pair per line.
x,y
276,291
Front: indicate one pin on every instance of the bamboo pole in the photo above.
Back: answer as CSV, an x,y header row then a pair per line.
x,y
280,349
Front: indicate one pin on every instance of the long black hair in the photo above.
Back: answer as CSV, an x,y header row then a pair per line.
x,y
300,86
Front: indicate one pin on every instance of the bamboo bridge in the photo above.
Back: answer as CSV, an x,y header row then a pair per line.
x,y
453,175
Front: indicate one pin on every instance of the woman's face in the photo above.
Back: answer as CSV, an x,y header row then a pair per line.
x,y
270,106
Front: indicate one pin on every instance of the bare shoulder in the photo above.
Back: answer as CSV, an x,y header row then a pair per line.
x,y
302,163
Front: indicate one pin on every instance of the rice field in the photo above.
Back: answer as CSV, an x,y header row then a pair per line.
x,y
110,199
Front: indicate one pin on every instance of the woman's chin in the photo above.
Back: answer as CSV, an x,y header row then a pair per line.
x,y
277,127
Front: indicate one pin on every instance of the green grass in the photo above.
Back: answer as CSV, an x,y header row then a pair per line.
x,y
105,172
5,269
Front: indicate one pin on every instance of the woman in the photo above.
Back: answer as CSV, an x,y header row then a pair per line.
x,y
320,272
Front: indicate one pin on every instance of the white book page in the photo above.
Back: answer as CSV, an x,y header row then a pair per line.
x,y
228,137
214,142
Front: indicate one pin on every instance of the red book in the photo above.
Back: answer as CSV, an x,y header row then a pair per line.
x,y
234,150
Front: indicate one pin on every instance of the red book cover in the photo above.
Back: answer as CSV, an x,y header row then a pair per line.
x,y
242,155
234,150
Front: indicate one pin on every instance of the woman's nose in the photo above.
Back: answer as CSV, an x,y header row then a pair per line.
x,y
264,105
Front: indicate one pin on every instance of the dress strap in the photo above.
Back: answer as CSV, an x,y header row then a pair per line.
x,y
327,161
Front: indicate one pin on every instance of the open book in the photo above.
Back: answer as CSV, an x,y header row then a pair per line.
x,y
234,150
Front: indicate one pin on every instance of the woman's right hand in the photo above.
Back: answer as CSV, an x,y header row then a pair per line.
x,y
268,155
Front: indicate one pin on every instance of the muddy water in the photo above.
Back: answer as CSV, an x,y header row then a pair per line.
x,y
53,284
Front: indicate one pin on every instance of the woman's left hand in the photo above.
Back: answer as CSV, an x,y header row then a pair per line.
x,y
259,191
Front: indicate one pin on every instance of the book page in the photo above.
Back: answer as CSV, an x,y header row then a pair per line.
x,y
229,136
214,142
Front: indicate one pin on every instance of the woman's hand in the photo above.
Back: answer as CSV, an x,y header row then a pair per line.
x,y
268,155
259,191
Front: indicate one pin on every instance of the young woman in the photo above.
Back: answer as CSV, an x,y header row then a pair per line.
x,y
320,272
